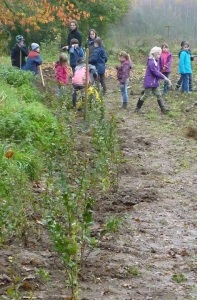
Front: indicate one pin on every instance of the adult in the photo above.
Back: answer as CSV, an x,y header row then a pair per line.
x,y
19,53
73,34
92,35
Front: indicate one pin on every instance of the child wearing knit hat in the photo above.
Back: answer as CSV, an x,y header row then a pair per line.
x,y
34,59
151,81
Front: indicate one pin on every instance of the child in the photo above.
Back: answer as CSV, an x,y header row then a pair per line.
x,y
76,52
165,62
61,73
78,80
33,60
99,59
123,73
185,68
19,52
151,80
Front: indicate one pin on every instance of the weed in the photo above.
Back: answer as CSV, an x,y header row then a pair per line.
x,y
112,224
133,270
179,278
43,274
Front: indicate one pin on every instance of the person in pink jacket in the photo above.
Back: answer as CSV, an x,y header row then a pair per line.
x,y
61,73
165,62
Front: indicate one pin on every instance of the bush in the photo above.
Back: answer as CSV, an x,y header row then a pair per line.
x,y
15,77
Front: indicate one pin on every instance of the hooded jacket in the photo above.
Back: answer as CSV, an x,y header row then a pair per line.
x,y
152,75
98,59
165,67
185,62
33,61
75,54
15,56
61,73
123,71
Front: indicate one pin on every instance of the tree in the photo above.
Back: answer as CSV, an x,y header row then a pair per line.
x,y
34,13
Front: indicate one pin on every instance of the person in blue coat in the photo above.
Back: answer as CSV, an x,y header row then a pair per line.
x,y
33,60
76,52
185,68
99,59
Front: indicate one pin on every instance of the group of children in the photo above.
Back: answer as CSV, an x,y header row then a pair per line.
x,y
158,68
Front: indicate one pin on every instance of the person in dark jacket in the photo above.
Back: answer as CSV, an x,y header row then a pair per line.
x,y
19,52
76,52
73,34
33,60
99,59
92,35
151,81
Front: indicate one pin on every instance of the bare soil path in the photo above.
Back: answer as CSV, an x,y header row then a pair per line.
x,y
154,256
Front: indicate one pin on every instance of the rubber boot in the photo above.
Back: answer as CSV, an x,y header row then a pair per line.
x,y
162,106
139,105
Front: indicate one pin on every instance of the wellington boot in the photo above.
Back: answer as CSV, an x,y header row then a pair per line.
x,y
162,106
139,105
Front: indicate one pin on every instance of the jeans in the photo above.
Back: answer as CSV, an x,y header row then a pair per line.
x,y
185,83
179,82
123,89
166,86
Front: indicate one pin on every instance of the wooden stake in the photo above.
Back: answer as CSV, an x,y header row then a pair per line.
x,y
86,85
20,59
41,75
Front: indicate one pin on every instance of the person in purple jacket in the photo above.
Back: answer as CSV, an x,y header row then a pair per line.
x,y
123,73
151,81
165,62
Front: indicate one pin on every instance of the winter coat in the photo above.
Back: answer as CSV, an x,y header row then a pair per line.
x,y
80,74
152,75
33,61
123,71
166,67
185,62
75,54
98,59
74,34
15,56
190,52
61,73
90,45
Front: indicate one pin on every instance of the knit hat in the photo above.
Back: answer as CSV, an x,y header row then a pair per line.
x,y
19,38
155,50
34,46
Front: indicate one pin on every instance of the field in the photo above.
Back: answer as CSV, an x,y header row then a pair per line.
x,y
143,219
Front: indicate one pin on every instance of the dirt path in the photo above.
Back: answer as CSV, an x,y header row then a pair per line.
x,y
154,256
